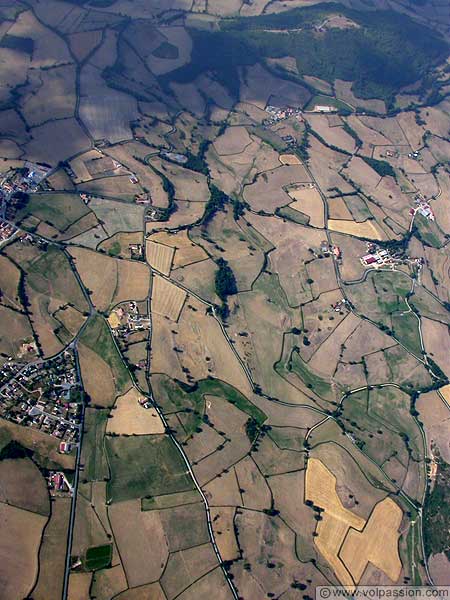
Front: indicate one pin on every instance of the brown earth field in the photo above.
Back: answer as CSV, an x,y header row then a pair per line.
x,y
19,547
52,552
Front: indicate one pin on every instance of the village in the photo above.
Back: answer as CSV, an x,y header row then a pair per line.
x,y
46,396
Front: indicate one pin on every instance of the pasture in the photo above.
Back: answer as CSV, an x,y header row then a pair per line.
x,y
144,465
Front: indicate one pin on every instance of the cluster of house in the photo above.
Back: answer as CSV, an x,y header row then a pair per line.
x,y
377,257
58,484
280,113
46,396
145,403
422,207
6,231
414,155
16,181
326,249
126,319
136,251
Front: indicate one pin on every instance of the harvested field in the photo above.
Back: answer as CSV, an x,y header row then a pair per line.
x,y
202,348
167,298
19,547
183,575
377,543
289,159
186,252
130,418
309,202
84,42
367,229
159,256
321,489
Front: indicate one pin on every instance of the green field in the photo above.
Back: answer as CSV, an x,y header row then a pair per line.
x,y
98,557
146,465
189,402
95,465
317,384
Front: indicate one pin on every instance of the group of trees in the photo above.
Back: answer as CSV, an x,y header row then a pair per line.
x,y
383,53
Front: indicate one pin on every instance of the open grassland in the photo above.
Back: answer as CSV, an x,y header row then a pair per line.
x,y
201,348
167,298
111,280
308,201
130,418
144,465
159,256
377,543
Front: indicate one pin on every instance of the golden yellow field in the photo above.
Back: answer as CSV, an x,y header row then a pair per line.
x,y
159,256
321,489
167,298
308,201
289,159
186,252
130,418
378,543
347,541
367,229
